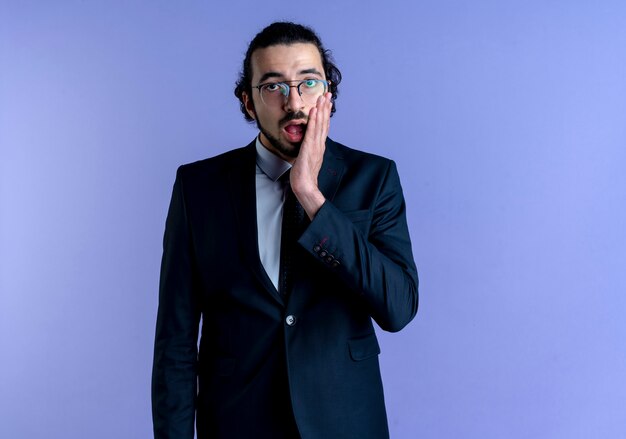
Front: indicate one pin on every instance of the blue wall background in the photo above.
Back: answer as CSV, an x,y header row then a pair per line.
x,y
506,119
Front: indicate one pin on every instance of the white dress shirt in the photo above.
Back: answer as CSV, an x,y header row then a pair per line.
x,y
270,196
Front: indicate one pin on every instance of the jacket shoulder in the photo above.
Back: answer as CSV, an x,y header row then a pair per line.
x,y
217,166
357,158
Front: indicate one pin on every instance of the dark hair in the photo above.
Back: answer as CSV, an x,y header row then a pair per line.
x,y
285,33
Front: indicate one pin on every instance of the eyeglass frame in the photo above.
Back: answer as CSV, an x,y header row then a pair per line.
x,y
287,83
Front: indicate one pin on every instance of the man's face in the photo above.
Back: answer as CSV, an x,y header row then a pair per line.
x,y
283,125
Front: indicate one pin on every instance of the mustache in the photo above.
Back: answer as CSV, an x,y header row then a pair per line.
x,y
294,116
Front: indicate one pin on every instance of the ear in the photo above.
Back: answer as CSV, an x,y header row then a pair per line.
x,y
247,102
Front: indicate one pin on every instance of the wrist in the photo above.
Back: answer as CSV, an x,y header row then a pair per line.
x,y
311,200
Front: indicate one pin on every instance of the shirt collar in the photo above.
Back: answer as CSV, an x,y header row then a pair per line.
x,y
271,165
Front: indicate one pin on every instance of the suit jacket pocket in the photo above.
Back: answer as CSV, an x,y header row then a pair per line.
x,y
363,347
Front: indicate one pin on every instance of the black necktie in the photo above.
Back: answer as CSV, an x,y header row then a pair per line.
x,y
292,227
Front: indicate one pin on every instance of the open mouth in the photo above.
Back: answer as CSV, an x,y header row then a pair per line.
x,y
294,132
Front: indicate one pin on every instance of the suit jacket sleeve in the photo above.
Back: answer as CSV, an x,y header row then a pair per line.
x,y
174,374
377,266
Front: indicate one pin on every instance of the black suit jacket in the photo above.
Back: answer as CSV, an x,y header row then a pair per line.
x,y
262,356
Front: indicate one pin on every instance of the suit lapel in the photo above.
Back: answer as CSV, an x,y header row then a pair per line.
x,y
331,172
243,195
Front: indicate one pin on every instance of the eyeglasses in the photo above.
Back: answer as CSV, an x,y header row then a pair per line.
x,y
277,93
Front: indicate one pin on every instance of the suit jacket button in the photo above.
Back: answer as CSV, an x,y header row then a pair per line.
x,y
290,320
317,248
335,264
323,253
329,259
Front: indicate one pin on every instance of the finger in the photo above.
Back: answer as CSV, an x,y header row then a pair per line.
x,y
329,106
312,124
324,117
319,122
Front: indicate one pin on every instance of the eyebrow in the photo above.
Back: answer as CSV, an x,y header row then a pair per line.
x,y
269,75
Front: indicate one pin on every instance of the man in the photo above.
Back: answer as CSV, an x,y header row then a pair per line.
x,y
286,249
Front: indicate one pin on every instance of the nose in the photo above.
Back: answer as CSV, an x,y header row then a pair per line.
x,y
294,101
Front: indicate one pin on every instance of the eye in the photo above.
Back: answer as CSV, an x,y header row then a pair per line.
x,y
310,83
272,87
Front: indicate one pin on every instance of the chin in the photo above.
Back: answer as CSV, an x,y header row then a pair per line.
x,y
286,148
281,145
294,149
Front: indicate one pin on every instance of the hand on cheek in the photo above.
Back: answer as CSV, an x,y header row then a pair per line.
x,y
309,162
